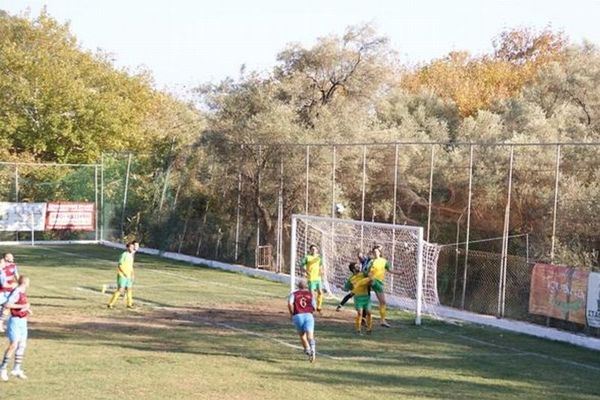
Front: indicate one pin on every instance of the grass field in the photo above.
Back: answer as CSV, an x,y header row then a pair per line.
x,y
198,333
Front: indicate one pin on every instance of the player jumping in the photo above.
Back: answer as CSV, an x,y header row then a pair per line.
x,y
376,271
359,285
301,305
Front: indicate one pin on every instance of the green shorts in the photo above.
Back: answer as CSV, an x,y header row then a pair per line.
x,y
313,286
362,302
123,282
377,286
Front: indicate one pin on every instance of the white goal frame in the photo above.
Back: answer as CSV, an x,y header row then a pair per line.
x,y
416,231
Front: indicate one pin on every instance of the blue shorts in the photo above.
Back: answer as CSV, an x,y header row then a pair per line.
x,y
16,329
4,297
304,322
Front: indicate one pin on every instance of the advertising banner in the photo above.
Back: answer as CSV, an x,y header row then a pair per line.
x,y
593,300
70,216
558,292
18,217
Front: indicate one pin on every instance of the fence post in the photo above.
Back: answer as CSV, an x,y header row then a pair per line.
x,y
96,202
280,218
125,197
237,212
333,150
464,288
430,191
505,232
364,183
17,192
102,197
554,211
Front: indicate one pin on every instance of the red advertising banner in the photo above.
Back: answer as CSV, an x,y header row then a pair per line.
x,y
558,292
70,216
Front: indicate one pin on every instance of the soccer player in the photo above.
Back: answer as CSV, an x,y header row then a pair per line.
x,y
376,271
364,262
125,277
17,329
359,285
301,305
313,268
9,276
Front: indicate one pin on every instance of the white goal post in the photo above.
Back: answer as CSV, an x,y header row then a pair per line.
x,y
412,283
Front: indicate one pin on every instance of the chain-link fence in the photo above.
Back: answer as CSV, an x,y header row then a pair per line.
x,y
496,208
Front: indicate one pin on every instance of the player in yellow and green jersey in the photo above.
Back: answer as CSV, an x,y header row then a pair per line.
x,y
359,285
376,271
125,277
313,268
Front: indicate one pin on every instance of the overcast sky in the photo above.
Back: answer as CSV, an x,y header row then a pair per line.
x,y
186,42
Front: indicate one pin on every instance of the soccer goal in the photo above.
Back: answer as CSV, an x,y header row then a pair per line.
x,y
412,283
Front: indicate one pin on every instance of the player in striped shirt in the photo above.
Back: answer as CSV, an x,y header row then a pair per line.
x,y
125,277
312,264
376,271
9,275
19,307
301,305
359,285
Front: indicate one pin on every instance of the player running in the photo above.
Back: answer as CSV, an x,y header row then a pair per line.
x,y
125,277
312,264
376,271
9,276
17,329
359,285
301,305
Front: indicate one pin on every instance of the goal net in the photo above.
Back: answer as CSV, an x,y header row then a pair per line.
x,y
412,283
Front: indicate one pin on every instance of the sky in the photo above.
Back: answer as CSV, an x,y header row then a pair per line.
x,y
185,43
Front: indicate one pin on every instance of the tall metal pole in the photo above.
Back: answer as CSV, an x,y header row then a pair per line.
x,y
17,191
125,197
464,288
395,185
554,211
96,202
16,182
333,150
280,217
430,191
258,176
504,256
102,197
237,212
307,180
364,183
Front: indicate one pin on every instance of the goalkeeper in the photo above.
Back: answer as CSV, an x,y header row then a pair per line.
x,y
312,264
359,285
125,277
376,271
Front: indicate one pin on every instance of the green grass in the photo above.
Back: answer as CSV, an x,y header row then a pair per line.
x,y
199,333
